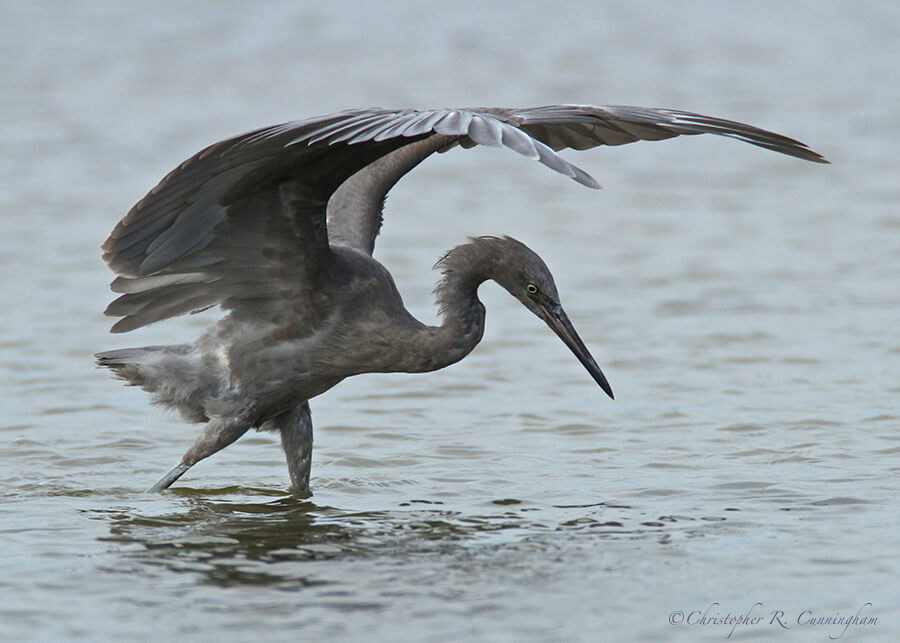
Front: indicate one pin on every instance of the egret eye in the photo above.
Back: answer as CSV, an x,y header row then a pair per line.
x,y
532,289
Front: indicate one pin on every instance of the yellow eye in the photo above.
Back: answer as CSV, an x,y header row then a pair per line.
x,y
532,289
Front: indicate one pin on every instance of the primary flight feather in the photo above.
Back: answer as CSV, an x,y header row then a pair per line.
x,y
278,226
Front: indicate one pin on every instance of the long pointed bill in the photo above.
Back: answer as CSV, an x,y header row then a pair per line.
x,y
558,321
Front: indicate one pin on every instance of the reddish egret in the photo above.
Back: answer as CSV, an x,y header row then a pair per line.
x,y
278,226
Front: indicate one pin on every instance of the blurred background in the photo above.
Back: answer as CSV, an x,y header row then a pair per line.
x,y
745,307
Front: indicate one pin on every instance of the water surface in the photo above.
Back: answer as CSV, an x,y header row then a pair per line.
x,y
745,307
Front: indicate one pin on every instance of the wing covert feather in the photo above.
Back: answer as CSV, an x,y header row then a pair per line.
x,y
252,217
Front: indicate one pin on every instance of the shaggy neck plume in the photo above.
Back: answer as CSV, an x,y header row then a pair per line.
x,y
464,268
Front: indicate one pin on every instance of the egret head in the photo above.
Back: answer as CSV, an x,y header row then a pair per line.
x,y
526,277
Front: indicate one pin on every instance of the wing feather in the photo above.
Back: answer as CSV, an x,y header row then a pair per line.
x,y
247,222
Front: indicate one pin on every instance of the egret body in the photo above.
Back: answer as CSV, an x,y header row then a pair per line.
x,y
278,227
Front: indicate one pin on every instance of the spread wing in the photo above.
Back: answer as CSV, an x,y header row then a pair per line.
x,y
251,219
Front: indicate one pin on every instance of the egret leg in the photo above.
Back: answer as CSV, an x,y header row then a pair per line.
x,y
296,439
216,435
173,474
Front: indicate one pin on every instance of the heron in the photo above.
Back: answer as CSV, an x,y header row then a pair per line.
x,y
277,227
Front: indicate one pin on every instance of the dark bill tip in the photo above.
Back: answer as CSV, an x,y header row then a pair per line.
x,y
558,321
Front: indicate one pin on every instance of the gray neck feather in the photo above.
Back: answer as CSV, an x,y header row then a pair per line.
x,y
464,268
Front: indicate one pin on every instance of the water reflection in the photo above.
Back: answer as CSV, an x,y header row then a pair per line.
x,y
240,540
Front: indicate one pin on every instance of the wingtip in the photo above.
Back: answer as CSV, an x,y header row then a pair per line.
x,y
807,154
122,326
584,178
592,183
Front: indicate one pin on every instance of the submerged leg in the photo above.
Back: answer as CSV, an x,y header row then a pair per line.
x,y
171,476
216,435
295,426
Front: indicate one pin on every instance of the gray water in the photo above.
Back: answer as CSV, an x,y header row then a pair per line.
x,y
745,306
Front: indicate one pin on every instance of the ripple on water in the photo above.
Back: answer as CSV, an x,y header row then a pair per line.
x,y
245,539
